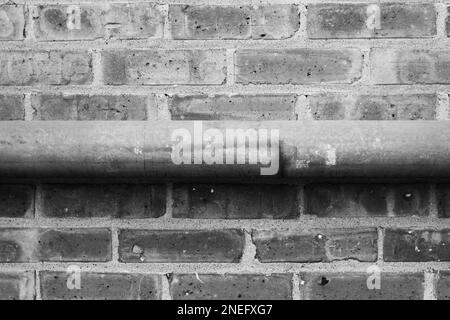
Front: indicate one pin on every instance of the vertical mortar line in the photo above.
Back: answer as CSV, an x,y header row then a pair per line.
x,y
302,33
430,282
28,108
37,284
169,201
441,28
366,67
301,200
31,11
162,107
230,81
433,203
114,244
390,202
249,255
167,30
38,201
165,288
302,108
380,247
442,107
295,287
97,67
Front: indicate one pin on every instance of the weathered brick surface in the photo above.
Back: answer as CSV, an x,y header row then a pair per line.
x,y
443,197
16,201
12,107
297,66
204,201
153,67
17,286
12,22
91,21
85,107
58,245
181,245
387,20
100,286
26,68
316,245
353,286
416,245
390,66
443,286
233,22
371,107
231,287
109,200
233,107
365,200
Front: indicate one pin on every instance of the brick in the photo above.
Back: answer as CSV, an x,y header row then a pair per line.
x,y
443,286
100,286
106,200
354,286
231,287
363,200
443,197
89,22
297,66
416,245
387,20
181,246
88,107
12,22
79,245
17,286
448,22
26,68
204,201
12,107
232,22
153,67
372,107
16,201
391,66
57,245
233,107
316,245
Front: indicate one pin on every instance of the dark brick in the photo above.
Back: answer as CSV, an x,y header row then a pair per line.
x,y
416,245
232,22
158,67
17,286
108,200
373,107
443,286
16,201
297,66
316,245
12,107
85,107
101,286
443,197
231,287
205,201
18,245
233,107
397,20
353,286
361,200
80,245
391,66
181,246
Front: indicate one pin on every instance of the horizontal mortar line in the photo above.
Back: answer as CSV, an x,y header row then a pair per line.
x,y
302,224
432,43
218,2
221,268
234,89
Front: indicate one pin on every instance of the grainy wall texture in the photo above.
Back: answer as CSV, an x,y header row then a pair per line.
x,y
225,60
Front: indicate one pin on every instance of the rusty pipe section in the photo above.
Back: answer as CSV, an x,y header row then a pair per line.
x,y
158,150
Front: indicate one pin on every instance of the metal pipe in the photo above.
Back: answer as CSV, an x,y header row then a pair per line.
x,y
152,149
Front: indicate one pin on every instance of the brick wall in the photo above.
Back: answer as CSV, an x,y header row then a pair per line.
x,y
225,60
